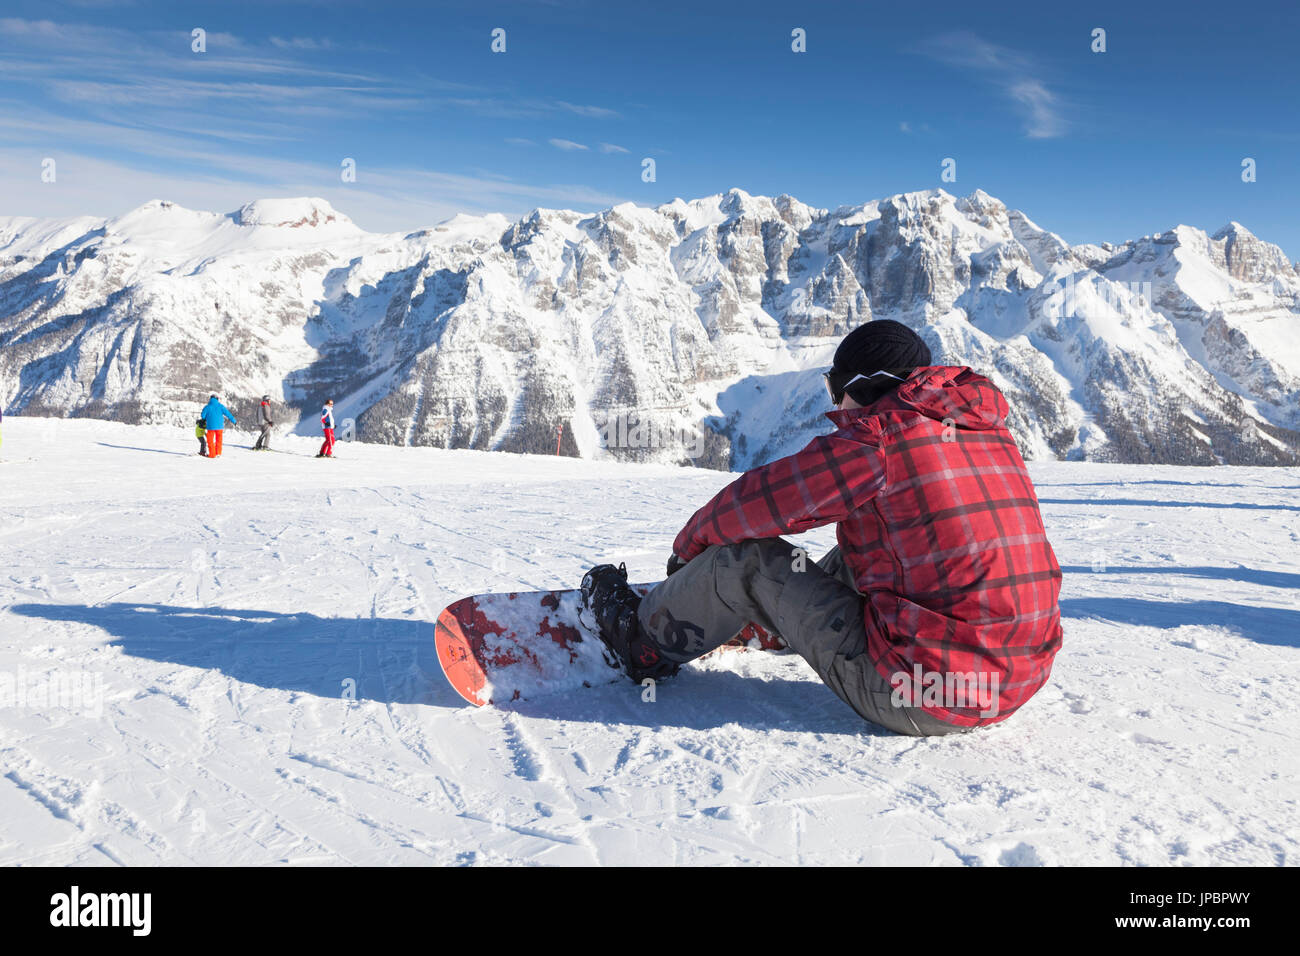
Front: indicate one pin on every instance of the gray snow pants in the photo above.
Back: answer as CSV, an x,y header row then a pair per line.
x,y
264,439
816,610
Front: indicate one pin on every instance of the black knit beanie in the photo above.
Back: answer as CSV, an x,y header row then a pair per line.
x,y
880,345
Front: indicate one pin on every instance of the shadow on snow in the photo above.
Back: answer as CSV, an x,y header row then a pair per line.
x,y
1145,503
1270,579
1265,625
1163,481
393,661
156,451
699,699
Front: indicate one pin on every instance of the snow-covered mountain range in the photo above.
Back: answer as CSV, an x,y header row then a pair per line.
x,y
694,331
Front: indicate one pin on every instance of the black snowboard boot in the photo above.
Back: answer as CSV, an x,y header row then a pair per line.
x,y
606,593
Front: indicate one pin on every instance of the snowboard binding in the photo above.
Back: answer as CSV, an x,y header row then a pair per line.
x,y
613,602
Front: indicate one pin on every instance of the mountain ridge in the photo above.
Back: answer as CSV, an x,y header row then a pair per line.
x,y
706,322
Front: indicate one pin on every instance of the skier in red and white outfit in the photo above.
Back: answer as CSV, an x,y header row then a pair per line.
x,y
327,424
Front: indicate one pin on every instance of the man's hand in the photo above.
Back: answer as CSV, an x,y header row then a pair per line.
x,y
675,564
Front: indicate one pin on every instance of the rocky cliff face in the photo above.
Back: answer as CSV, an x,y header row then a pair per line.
x,y
692,332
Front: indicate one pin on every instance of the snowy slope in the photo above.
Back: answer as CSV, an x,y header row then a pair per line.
x,y
493,335
221,609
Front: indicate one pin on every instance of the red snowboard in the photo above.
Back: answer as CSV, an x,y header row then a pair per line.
x,y
496,648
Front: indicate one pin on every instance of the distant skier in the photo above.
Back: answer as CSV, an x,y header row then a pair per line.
x,y
327,424
201,433
264,439
215,416
938,610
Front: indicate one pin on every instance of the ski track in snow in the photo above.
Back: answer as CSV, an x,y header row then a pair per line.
x,y
259,631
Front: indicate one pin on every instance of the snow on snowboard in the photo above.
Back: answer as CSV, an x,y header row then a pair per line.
x,y
497,648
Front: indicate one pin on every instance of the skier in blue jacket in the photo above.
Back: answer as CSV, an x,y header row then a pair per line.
x,y
215,416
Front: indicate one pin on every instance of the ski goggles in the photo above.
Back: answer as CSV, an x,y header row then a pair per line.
x,y
837,383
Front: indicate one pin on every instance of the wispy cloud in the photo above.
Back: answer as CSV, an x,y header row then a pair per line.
x,y
271,97
1044,122
611,148
133,115
908,128
175,133
593,112
303,43
86,63
510,107
1013,73
384,199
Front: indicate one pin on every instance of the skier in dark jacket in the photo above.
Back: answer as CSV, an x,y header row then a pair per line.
x,y
215,416
938,610
264,439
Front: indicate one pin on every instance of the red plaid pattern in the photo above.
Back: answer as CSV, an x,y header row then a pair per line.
x,y
939,523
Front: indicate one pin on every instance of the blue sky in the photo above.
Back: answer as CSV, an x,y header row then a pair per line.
x,y
1096,146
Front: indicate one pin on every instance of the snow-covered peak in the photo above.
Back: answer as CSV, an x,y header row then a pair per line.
x,y
795,213
163,219
736,203
23,237
154,207
981,202
296,213
1232,228
463,227
922,200
1045,248
696,214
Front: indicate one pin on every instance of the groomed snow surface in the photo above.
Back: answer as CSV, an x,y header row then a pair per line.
x,y
180,638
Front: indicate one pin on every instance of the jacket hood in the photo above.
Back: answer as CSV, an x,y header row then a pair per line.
x,y
939,392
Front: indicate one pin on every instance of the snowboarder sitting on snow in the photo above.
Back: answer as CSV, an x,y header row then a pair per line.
x,y
263,442
201,434
938,610
215,416
327,424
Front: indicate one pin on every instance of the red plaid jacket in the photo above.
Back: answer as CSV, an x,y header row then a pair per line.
x,y
938,521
